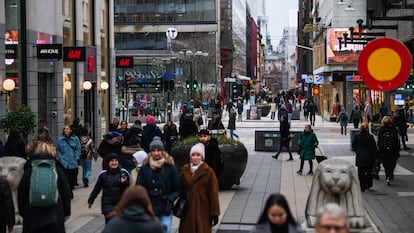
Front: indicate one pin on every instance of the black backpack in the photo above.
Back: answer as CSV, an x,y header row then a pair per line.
x,y
344,117
388,139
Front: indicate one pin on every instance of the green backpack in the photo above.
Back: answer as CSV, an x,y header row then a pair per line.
x,y
43,183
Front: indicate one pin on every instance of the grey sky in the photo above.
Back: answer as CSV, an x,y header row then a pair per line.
x,y
278,13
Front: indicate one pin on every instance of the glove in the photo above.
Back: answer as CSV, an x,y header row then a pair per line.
x,y
214,220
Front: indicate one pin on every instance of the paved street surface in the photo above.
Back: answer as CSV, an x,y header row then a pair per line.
x,y
389,208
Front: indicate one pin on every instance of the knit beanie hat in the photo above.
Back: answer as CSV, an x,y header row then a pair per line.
x,y
112,134
150,119
156,143
111,156
198,148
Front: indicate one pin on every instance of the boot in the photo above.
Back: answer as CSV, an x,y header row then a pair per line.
x,y
85,182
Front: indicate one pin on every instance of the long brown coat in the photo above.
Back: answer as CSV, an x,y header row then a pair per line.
x,y
204,201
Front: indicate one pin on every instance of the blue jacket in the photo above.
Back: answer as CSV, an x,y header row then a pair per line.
x,y
68,151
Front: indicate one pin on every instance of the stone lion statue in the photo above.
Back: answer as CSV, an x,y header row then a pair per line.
x,y
336,180
12,168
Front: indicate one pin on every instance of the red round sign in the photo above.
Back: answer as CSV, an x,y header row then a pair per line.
x,y
384,64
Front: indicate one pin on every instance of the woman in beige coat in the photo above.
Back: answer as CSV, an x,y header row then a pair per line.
x,y
200,185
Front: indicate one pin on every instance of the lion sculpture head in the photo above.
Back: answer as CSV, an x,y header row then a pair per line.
x,y
12,168
336,180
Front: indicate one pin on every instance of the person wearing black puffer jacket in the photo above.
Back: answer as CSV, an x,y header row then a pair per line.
x,y
134,213
113,182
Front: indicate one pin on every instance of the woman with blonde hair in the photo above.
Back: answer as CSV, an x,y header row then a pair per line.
x,y
133,213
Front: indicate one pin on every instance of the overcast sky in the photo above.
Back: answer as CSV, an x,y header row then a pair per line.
x,y
278,13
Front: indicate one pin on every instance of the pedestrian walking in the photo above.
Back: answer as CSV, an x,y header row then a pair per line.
x,y
123,129
15,145
401,124
200,187
88,152
356,116
68,150
232,123
276,217
284,138
282,112
187,127
161,178
150,131
133,213
139,157
170,135
215,123
366,153
112,182
111,143
331,217
7,212
114,125
307,144
305,109
272,110
127,150
389,147
312,109
212,153
239,109
49,219
343,120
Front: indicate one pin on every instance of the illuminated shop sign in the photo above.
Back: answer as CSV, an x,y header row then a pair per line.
x,y
49,51
136,76
11,51
74,54
124,62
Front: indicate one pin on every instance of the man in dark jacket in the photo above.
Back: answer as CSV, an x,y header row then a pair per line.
x,y
215,123
284,137
150,131
187,127
312,109
161,179
6,207
366,152
212,152
401,124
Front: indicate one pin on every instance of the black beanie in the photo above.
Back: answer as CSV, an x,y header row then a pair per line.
x,y
111,156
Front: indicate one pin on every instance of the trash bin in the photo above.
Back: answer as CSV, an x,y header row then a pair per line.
x,y
295,115
270,140
352,133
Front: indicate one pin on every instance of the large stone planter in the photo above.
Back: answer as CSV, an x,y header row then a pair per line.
x,y
265,109
234,159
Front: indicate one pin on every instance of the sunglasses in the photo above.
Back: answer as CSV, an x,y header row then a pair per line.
x,y
331,227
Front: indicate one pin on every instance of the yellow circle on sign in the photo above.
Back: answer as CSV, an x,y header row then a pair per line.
x,y
384,64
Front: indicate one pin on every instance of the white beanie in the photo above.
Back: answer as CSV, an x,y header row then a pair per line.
x,y
139,157
198,148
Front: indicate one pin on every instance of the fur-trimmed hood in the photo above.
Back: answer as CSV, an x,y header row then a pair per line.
x,y
168,159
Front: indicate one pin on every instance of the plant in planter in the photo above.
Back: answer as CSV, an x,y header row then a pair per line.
x,y
21,118
234,155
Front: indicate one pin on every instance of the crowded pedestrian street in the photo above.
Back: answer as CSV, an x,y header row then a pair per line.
x,y
388,208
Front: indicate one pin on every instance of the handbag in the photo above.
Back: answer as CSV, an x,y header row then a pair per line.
x,y
180,205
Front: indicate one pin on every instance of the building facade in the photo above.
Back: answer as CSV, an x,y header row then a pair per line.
x,y
50,62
